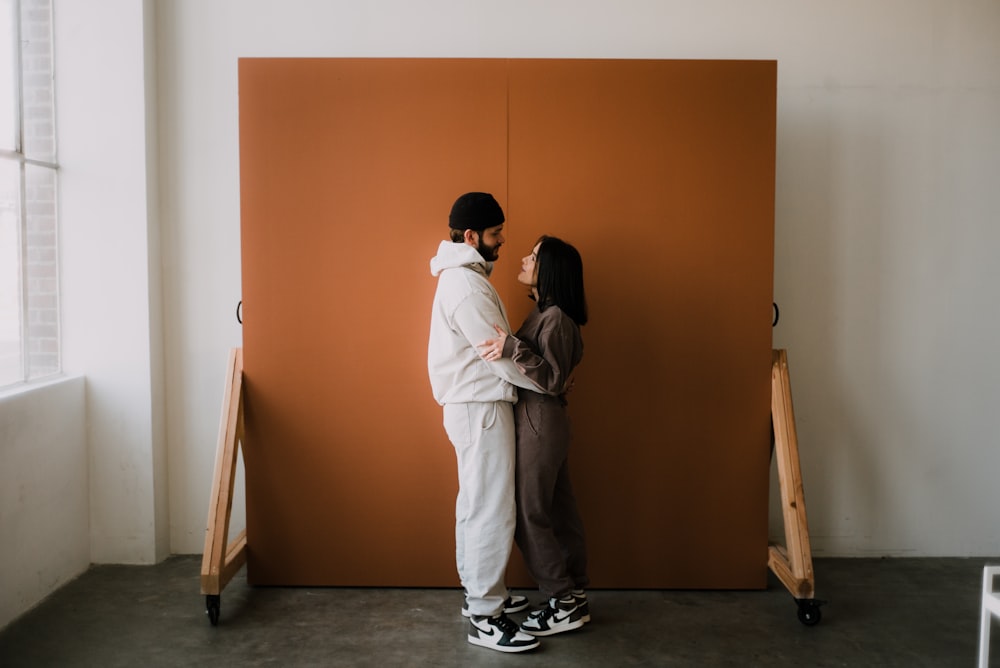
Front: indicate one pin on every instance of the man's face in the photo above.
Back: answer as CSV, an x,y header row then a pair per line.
x,y
490,241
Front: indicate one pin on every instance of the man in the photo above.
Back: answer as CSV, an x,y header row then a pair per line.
x,y
478,397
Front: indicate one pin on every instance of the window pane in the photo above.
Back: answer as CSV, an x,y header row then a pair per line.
x,y
36,83
8,80
42,271
10,272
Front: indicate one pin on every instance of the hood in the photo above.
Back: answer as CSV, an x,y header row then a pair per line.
x,y
451,255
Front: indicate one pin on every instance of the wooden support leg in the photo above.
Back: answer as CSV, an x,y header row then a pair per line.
x,y
221,561
791,563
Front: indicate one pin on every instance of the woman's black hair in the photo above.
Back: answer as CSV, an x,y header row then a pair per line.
x,y
560,278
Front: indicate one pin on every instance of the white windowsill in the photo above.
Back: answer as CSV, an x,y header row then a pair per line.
x,y
19,389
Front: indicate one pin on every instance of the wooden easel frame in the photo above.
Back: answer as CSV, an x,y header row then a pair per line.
x,y
791,563
221,560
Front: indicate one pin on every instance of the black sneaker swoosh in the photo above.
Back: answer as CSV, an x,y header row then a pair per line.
x,y
484,632
558,620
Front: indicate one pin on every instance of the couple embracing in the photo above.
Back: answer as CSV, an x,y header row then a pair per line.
x,y
504,400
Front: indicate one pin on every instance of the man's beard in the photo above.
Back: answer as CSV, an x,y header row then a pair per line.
x,y
489,253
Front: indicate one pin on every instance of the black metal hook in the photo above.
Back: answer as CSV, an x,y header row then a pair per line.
x,y
239,312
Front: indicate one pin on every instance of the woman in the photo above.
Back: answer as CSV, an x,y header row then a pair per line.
x,y
547,348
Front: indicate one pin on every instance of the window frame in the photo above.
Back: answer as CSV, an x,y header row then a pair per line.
x,y
24,155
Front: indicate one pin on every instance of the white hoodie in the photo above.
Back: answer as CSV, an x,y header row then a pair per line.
x,y
466,306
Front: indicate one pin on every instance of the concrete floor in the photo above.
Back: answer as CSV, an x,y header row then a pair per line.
x,y
880,612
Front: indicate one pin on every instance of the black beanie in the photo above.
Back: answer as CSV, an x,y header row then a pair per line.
x,y
475,211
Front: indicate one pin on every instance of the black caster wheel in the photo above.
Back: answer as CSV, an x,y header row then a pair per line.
x,y
809,612
212,604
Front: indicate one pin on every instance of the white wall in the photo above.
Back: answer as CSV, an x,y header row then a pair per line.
x,y
44,523
83,459
886,230
887,201
112,310
888,166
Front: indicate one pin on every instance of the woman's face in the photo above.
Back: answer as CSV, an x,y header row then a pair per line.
x,y
529,268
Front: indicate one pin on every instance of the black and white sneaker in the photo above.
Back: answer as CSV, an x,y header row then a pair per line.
x,y
499,633
514,603
582,605
558,616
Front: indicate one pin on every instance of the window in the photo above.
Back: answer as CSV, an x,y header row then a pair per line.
x,y
29,272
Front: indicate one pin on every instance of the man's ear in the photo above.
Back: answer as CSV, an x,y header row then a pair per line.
x,y
471,237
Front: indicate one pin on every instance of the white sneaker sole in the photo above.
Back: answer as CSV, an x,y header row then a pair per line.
x,y
503,648
570,626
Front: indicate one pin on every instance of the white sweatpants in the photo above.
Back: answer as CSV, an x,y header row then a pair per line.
x,y
483,436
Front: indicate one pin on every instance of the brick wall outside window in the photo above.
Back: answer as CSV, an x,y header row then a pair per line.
x,y
42,272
